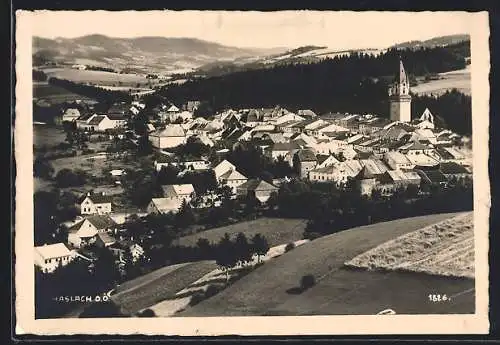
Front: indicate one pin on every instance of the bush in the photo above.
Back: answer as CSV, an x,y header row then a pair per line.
x,y
147,313
289,247
212,290
307,281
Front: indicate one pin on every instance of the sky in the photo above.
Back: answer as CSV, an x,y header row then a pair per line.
x,y
339,30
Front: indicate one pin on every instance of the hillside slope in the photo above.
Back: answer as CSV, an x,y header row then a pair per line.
x,y
142,53
269,290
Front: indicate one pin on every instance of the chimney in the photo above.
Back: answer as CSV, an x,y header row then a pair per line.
x,y
89,193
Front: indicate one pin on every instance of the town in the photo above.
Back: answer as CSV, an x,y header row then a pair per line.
x,y
130,182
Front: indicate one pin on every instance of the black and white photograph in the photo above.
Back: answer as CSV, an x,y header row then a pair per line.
x,y
189,164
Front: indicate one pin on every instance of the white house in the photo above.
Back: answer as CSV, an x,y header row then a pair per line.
x,y
70,115
163,205
49,257
93,203
101,123
232,178
172,136
178,191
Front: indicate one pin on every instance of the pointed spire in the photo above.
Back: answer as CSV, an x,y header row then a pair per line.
x,y
402,73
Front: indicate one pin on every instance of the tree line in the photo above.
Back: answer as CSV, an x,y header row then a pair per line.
x,y
95,92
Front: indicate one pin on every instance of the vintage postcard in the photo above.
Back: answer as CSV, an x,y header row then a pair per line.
x,y
251,173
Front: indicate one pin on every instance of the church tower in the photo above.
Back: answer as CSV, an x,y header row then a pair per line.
x,y
399,96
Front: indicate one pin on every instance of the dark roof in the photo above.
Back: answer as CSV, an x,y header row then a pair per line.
x,y
306,155
434,176
257,184
116,117
321,158
101,221
97,198
106,238
96,120
285,146
443,153
453,168
363,155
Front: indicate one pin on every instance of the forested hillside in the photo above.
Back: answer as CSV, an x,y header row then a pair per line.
x,y
357,83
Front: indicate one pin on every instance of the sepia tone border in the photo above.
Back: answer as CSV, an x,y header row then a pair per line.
x,y
270,325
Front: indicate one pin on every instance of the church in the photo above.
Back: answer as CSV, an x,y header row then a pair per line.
x,y
399,97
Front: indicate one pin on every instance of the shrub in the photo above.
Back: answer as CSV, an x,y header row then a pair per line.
x,y
212,290
307,281
289,247
147,313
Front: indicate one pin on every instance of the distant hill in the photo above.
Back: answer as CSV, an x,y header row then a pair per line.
x,y
433,42
147,54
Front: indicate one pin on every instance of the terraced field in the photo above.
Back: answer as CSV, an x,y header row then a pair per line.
x,y
445,249
158,286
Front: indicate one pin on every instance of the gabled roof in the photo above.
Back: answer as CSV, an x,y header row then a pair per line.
x,y
116,117
164,205
434,176
101,221
177,189
232,175
97,120
400,175
171,130
55,250
397,157
257,185
374,166
97,198
106,238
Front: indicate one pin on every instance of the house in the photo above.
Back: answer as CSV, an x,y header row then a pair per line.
x,y
262,190
101,123
165,160
178,192
432,177
426,121
195,164
94,203
85,231
305,162
232,178
192,105
281,149
338,173
82,234
289,117
163,205
397,160
69,115
50,256
119,248
326,161
172,136
348,152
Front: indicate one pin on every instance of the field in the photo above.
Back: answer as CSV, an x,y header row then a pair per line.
x,y
49,136
99,77
459,80
92,163
272,289
54,94
276,230
159,285
446,248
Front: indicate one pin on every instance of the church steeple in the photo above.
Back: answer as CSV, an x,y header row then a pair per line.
x,y
399,96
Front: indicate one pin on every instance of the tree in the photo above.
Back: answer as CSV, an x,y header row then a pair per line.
x,y
243,248
260,246
168,175
185,217
42,168
204,247
67,178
